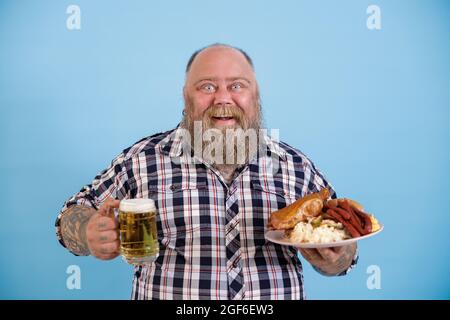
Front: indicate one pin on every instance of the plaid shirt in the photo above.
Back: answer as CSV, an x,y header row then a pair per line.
x,y
211,235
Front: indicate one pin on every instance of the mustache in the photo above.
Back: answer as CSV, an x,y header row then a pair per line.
x,y
225,111
219,110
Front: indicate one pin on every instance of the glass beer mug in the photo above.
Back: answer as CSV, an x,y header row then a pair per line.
x,y
138,232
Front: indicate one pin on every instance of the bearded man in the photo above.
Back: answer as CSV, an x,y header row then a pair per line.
x,y
214,179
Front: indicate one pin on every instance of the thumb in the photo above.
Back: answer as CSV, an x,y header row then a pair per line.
x,y
107,208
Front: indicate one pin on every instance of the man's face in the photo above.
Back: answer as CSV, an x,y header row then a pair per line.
x,y
221,90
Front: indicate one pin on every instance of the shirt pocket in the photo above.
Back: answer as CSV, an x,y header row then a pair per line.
x,y
180,210
271,196
266,198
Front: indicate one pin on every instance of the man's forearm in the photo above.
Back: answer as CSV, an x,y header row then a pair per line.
x,y
73,229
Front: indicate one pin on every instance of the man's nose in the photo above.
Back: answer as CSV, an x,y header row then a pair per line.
x,y
222,96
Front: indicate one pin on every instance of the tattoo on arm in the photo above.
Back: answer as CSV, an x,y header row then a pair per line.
x,y
343,262
73,229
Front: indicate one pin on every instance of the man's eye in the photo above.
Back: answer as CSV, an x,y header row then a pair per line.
x,y
237,86
208,87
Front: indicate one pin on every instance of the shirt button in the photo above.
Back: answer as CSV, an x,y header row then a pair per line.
x,y
173,187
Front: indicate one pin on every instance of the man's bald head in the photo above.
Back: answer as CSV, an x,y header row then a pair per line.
x,y
195,54
219,60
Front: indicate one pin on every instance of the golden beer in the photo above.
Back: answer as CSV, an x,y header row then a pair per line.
x,y
138,233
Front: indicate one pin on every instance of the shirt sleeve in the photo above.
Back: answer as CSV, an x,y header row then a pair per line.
x,y
318,181
110,183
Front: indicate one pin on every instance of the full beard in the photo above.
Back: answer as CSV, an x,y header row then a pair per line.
x,y
233,154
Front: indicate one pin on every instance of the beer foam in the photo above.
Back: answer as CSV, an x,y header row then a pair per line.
x,y
137,205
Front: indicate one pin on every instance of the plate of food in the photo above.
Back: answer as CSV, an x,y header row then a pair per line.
x,y
315,221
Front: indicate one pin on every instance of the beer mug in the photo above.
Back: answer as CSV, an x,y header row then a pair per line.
x,y
138,233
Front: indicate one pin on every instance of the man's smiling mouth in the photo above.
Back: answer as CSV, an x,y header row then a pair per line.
x,y
223,117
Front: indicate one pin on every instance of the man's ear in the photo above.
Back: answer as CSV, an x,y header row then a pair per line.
x,y
184,93
258,96
185,96
185,99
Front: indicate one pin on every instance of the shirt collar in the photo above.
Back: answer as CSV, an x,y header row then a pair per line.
x,y
274,147
172,145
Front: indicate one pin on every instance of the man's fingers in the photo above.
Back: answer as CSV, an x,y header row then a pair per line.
x,y
328,254
106,251
110,202
108,236
109,248
107,256
338,250
107,208
305,254
311,254
106,223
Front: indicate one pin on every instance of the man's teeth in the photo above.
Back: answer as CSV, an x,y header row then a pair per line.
x,y
224,117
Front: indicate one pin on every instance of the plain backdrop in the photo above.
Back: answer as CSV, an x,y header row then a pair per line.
x,y
369,107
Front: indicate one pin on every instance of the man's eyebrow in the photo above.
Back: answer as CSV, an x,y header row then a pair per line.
x,y
226,79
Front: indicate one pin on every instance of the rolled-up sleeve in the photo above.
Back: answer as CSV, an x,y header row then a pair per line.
x,y
318,181
110,183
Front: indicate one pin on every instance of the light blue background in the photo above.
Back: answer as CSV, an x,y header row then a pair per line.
x,y
370,108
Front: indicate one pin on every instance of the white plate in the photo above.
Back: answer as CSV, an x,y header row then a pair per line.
x,y
277,236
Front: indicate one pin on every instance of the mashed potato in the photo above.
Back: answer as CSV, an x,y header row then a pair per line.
x,y
327,231
375,225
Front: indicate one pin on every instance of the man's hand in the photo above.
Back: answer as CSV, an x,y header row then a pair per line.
x,y
331,261
102,232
